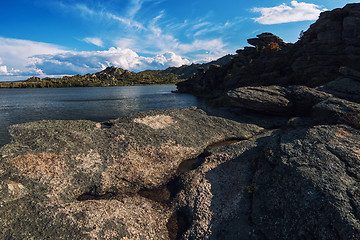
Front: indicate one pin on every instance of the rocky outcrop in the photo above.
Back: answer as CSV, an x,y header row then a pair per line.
x,y
136,177
346,87
330,43
299,181
218,194
33,79
350,72
204,80
270,99
335,110
263,40
284,184
83,180
306,186
276,100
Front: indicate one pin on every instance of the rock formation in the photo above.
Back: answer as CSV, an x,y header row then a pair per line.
x,y
82,180
330,43
303,176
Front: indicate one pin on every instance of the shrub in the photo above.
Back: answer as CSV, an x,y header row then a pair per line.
x,y
271,47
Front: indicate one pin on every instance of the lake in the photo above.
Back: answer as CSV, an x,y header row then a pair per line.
x,y
96,103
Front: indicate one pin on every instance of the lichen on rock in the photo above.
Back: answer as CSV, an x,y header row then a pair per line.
x,y
72,175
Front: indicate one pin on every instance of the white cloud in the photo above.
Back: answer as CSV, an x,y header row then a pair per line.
x,y
82,8
127,21
152,42
70,63
16,56
213,45
3,70
169,59
135,6
156,33
298,11
157,38
200,25
125,43
96,41
21,59
89,13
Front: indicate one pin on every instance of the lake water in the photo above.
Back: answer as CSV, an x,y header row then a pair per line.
x,y
96,104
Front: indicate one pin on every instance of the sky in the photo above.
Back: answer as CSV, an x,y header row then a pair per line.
x,y
66,37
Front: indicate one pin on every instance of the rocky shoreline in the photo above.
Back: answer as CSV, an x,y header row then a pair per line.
x,y
283,162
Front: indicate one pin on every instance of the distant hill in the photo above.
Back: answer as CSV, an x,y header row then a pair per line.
x,y
187,71
113,76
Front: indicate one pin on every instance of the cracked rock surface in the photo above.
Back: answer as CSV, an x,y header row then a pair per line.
x,y
136,178
307,184
80,179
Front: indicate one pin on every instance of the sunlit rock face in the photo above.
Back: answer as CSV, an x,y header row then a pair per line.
x,y
83,180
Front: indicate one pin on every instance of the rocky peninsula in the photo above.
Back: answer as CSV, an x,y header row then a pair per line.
x,y
281,161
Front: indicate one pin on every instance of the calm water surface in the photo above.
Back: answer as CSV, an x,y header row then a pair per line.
x,y
96,104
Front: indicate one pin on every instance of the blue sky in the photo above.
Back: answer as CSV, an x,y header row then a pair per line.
x,y
67,37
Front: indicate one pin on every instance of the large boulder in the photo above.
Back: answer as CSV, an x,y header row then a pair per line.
x,y
136,178
304,98
264,39
348,72
293,100
270,99
335,110
217,196
307,185
284,184
84,180
344,88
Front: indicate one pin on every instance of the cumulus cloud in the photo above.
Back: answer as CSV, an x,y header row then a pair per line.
x,y
96,41
151,42
70,63
16,56
168,59
298,11
125,42
3,70
21,59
